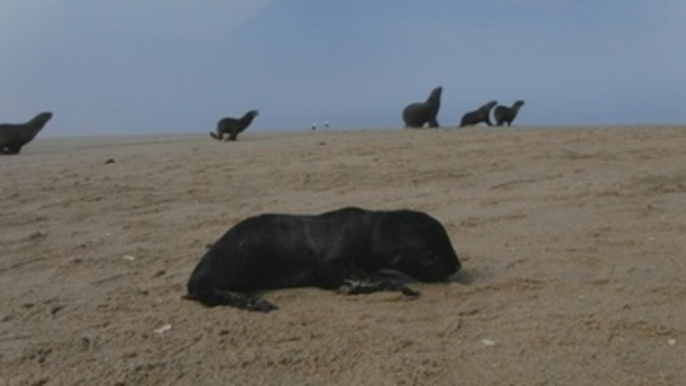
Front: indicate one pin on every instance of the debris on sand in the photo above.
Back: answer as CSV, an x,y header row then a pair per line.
x,y
163,329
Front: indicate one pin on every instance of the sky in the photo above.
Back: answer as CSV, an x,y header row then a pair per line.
x,y
178,66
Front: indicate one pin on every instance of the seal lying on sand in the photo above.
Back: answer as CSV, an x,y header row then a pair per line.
x,y
233,126
482,114
417,114
14,136
341,249
507,114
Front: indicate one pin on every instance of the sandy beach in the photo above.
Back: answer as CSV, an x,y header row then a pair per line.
x,y
572,242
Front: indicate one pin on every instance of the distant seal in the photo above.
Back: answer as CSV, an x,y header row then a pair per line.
x,y
233,126
14,136
507,114
342,249
417,114
482,114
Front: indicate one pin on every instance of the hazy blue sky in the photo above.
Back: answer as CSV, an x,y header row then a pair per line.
x,y
150,66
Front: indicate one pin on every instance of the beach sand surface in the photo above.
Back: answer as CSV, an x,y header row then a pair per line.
x,y
572,242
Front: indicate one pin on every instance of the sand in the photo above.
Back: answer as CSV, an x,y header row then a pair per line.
x,y
571,239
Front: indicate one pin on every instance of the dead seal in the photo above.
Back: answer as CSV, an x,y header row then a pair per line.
x,y
418,114
482,114
14,136
233,126
503,114
342,249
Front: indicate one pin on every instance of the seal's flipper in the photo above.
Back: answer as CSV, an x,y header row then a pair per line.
x,y
219,297
368,286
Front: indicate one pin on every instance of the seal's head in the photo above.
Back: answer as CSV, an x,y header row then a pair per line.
x,y
435,96
420,247
489,105
43,117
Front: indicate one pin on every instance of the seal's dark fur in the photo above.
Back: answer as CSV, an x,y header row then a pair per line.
x,y
482,114
418,114
342,249
504,114
14,136
233,126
